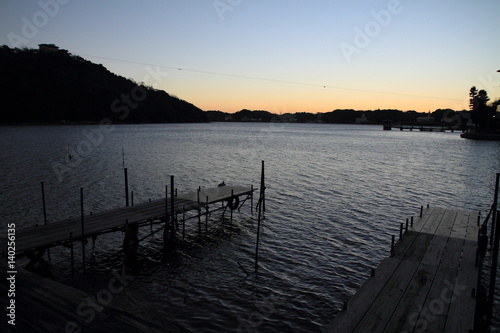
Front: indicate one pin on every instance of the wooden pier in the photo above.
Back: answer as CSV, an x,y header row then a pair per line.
x,y
159,211
428,284
425,127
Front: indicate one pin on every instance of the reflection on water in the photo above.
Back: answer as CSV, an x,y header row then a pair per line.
x,y
335,195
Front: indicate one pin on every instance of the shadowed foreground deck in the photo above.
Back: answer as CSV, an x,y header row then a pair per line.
x,y
44,305
427,285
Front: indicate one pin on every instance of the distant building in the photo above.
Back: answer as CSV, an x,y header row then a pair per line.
x,y
425,120
51,49
362,119
48,48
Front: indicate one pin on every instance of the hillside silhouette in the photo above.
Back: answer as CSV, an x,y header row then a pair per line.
x,y
51,85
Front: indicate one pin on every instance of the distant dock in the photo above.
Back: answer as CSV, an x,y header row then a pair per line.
x,y
422,127
428,284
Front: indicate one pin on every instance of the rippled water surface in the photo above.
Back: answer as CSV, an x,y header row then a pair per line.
x,y
335,195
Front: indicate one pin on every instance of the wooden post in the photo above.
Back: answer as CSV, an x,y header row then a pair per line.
x,y
261,208
230,210
150,221
494,264
172,213
72,256
126,186
411,221
406,225
183,221
166,203
206,216
257,243
69,152
132,198
251,199
392,244
44,207
166,227
263,188
401,231
199,219
83,227
494,207
421,210
45,215
131,243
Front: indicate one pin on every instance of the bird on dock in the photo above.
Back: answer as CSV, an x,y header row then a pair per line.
x,y
222,184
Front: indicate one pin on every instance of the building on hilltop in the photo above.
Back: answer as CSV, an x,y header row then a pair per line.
x,y
48,48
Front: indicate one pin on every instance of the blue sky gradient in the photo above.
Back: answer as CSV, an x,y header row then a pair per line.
x,y
281,56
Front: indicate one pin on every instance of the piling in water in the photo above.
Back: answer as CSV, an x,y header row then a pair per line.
x,y
83,227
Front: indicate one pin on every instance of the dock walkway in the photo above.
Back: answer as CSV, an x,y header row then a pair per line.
x,y
427,285
44,305
425,127
52,234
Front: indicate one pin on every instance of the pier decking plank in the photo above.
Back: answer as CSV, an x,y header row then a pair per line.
x,y
420,284
57,232
410,268
426,285
44,305
368,293
459,312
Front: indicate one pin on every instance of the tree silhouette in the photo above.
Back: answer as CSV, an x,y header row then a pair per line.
x,y
482,115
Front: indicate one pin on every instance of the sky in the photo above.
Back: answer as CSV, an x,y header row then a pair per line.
x,y
283,56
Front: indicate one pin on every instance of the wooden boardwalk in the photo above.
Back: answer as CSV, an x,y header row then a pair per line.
x,y
41,236
44,305
427,285
425,127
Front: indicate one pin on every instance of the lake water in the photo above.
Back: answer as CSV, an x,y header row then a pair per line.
x,y
335,195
